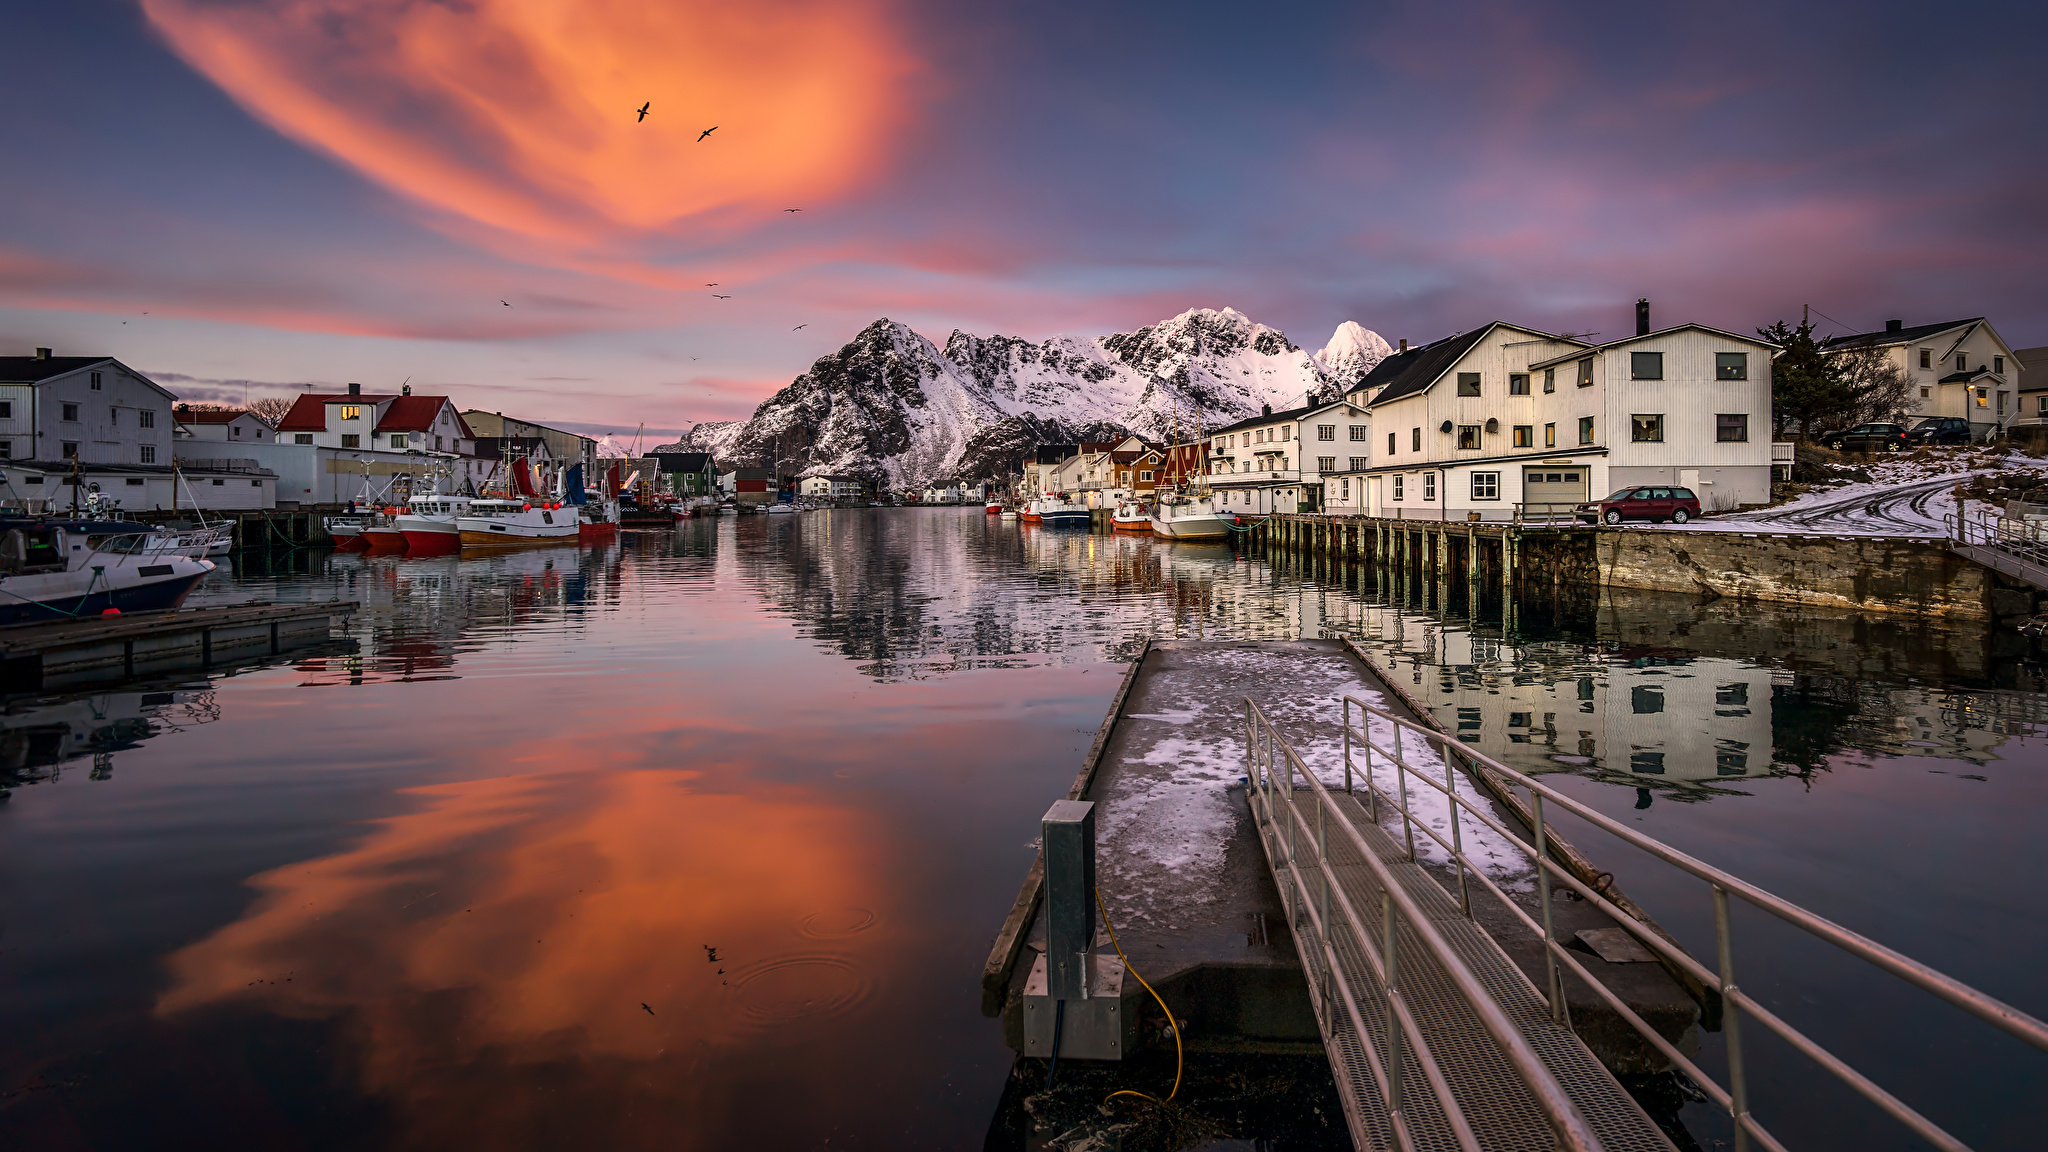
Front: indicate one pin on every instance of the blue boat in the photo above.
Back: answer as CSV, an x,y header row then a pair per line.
x,y
1058,511
55,569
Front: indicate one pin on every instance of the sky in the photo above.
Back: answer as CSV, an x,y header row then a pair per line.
x,y
257,197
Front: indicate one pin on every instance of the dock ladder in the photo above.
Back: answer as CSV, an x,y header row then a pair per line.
x,y
1435,1038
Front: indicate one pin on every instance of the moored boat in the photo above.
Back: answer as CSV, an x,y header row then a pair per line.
x,y
993,508
382,537
54,569
516,524
597,521
1009,513
1188,517
1130,516
1058,511
347,531
428,524
1029,513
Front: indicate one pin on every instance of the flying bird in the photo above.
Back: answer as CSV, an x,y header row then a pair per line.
x,y
643,116
506,303
800,326
716,296
713,284
710,954
650,1011
792,209
706,132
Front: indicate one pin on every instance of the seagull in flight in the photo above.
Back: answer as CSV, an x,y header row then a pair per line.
x,y
650,1011
716,296
713,284
792,209
506,303
706,132
800,326
643,110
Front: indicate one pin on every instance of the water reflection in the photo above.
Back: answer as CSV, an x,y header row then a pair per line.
x,y
476,876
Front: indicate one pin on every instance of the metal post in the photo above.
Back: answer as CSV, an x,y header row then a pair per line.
x,y
1457,841
1556,984
1067,834
1738,1086
1323,873
1401,785
1388,957
1347,743
1372,792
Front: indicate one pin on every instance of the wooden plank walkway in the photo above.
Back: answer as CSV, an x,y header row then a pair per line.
x,y
100,647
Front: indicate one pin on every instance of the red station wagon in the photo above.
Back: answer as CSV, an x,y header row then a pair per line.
x,y
1658,504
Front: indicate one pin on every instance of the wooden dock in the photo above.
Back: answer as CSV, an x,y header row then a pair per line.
x,y
64,652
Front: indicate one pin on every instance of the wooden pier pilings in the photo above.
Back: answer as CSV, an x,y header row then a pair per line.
x,y
1429,557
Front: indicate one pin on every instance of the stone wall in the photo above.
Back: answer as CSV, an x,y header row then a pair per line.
x,y
1892,575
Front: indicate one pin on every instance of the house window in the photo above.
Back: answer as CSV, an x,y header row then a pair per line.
x,y
1358,462
1468,383
1646,365
2001,403
1429,485
146,418
2043,405
1732,427
1983,398
1344,490
1329,463
1358,433
70,413
437,444
351,412
1926,392
1398,495
398,440
255,483
1486,485
1586,372
1145,477
1550,435
1731,365
1468,436
1518,384
6,449
1646,428
302,437
351,440
220,482
69,449
135,482
1326,431
1525,435
149,454
1585,429
1962,361
95,381
6,409
1287,432
1998,365
1550,379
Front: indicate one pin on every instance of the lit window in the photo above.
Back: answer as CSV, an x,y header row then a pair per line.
x,y
1983,398
1585,429
1731,365
1550,435
1468,436
1586,372
351,412
1646,428
1646,365
1486,485
1525,435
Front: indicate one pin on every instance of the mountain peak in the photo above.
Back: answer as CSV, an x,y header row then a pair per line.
x,y
1353,351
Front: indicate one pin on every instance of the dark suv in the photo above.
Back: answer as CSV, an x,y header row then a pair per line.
x,y
1867,438
1941,430
1660,504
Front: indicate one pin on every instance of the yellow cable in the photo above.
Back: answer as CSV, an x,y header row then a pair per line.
x,y
1177,1058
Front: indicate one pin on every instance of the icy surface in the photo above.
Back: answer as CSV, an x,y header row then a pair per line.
x,y
1904,497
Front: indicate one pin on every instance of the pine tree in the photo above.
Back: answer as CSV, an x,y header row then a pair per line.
x,y
1806,387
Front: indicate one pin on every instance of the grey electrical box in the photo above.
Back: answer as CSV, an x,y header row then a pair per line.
x,y
1067,834
1100,1027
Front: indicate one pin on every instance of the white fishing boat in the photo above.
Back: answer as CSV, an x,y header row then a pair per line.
x,y
776,509
1059,511
516,523
196,540
1130,516
1009,514
429,524
1189,516
54,569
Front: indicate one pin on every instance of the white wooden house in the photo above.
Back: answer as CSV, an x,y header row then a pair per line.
x,y
1958,368
1282,461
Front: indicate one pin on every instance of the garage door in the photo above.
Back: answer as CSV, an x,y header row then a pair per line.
x,y
1555,485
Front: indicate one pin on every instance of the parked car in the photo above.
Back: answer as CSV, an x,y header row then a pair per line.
x,y
1866,438
1659,504
1941,430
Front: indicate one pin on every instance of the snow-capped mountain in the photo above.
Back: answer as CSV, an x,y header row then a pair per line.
x,y
1352,352
892,404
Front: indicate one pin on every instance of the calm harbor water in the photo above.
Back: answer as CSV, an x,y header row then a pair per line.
x,y
699,840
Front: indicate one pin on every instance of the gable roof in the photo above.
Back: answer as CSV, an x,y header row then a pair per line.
x,y
1966,377
1580,352
33,369
1411,373
1888,338
684,461
209,415
405,414
1279,417
417,414
309,411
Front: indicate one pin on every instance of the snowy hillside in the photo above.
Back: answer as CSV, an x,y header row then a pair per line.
x,y
894,404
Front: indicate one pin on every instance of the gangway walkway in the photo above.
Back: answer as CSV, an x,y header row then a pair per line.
x,y
1437,1040
2014,545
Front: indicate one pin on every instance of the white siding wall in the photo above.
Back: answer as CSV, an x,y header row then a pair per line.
x,y
1690,399
108,429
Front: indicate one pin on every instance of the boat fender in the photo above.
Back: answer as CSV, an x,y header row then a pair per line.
x,y
110,611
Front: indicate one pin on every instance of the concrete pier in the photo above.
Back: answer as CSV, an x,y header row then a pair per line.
x,y
66,652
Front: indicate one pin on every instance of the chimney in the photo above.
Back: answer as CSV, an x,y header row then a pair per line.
x,y
405,389
42,353
355,389
1265,409
1894,325
1404,343
1643,317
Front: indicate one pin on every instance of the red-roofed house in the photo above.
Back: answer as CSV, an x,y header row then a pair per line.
x,y
332,448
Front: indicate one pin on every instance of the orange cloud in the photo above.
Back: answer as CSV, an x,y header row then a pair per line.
x,y
509,933
520,114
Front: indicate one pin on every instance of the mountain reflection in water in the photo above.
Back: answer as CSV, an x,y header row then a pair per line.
x,y
462,895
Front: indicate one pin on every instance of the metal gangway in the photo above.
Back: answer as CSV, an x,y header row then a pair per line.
x,y
2014,542
1436,1039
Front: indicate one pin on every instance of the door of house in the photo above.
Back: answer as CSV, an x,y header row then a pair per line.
x,y
1558,484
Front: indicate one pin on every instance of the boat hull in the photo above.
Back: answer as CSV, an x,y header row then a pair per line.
x,y
1065,518
1191,528
435,540
510,538
1118,524
590,533
155,596
348,539
383,541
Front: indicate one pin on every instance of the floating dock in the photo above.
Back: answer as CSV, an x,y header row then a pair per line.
x,y
64,652
1186,868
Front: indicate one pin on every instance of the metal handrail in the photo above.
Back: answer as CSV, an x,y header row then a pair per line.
x,y
2007,534
1568,1125
1548,514
1734,1098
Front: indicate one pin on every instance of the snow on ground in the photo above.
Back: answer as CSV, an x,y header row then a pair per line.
x,y
1906,496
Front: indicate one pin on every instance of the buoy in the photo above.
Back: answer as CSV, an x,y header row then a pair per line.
x,y
110,611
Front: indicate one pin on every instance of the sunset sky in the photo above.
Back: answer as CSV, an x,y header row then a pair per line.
x,y
251,196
